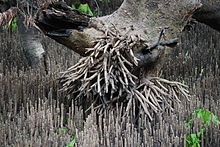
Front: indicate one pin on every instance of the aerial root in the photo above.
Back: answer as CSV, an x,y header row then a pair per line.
x,y
109,75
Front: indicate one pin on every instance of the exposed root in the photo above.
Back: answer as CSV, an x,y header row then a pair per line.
x,y
108,75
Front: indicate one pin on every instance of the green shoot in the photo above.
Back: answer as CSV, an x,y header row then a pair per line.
x,y
207,117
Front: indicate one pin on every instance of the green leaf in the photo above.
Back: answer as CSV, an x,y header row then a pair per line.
x,y
215,119
73,6
14,25
192,140
200,132
85,9
188,123
72,143
196,145
205,115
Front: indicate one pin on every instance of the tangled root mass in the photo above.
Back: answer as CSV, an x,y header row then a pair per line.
x,y
108,75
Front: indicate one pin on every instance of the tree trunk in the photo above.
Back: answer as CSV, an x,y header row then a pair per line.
x,y
31,42
135,17
29,36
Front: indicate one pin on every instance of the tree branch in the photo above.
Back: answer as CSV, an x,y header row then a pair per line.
x,y
67,26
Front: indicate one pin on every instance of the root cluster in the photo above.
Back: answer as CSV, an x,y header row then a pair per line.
x,y
109,74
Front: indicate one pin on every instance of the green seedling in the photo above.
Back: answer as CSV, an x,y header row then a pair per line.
x,y
206,118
